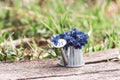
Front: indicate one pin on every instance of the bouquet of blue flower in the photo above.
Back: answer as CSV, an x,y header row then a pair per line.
x,y
71,44
73,38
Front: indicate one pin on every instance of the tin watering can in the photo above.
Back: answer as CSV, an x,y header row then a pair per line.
x,y
72,57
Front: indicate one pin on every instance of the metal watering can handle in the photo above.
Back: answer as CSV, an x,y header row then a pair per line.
x,y
64,56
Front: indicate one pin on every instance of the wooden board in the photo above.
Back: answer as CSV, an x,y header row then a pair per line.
x,y
98,67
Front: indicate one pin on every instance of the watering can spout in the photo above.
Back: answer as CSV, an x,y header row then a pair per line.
x,y
64,57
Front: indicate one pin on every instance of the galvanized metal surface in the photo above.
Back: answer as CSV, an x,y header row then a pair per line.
x,y
74,57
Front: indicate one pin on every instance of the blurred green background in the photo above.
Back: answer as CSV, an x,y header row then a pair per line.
x,y
27,26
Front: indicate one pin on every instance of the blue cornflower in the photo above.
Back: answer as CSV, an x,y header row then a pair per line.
x,y
55,39
74,38
62,36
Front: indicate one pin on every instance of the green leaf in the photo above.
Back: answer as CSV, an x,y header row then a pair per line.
x,y
3,37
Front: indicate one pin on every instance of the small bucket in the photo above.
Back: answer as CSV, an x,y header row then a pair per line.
x,y
72,57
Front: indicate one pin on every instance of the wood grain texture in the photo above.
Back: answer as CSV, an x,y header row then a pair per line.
x,y
97,68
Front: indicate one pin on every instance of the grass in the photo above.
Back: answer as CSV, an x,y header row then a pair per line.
x,y
47,18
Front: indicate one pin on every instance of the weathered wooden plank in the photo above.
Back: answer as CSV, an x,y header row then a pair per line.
x,y
101,56
47,69
52,71
113,75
